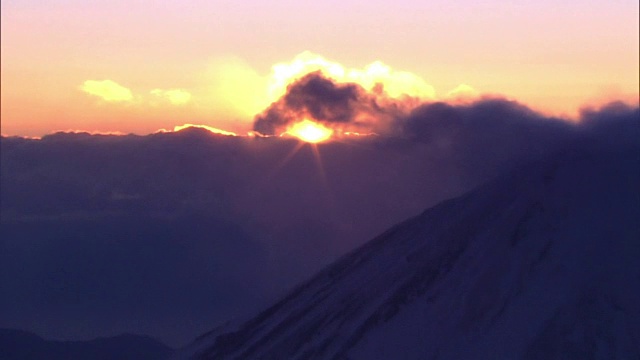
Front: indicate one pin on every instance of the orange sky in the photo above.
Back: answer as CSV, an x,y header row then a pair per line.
x,y
141,66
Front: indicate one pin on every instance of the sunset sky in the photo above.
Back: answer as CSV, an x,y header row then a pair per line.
x,y
140,66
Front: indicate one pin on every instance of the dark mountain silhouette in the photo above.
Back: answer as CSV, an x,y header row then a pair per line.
x,y
23,345
539,264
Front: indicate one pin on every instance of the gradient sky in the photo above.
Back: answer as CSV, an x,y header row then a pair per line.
x,y
207,62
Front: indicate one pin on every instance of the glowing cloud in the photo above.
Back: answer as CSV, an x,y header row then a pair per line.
x,y
344,100
107,90
174,96
237,87
394,83
462,91
376,77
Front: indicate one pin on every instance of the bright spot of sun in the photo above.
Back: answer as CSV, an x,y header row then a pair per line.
x,y
310,131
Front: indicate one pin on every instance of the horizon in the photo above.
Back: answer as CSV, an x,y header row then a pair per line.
x,y
582,114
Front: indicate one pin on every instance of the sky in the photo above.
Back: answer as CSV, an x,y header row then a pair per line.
x,y
140,66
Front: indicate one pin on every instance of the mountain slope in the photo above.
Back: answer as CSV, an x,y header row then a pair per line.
x,y
541,264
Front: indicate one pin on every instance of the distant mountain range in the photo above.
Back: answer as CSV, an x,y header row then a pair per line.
x,y
540,264
22,345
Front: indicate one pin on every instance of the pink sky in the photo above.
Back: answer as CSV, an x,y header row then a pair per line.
x,y
217,56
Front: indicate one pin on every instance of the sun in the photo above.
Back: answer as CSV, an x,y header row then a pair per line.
x,y
310,131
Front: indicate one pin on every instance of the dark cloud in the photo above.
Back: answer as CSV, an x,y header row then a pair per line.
x,y
167,234
614,124
321,99
486,135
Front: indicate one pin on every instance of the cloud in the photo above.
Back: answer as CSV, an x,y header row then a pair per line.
x,y
110,91
462,92
347,106
367,100
616,123
107,90
485,136
174,96
236,85
376,76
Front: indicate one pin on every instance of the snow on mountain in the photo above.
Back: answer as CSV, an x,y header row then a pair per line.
x,y
540,264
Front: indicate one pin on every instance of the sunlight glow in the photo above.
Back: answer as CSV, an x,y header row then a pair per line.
x,y
310,131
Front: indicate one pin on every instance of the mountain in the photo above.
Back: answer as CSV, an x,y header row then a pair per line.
x,y
22,345
538,264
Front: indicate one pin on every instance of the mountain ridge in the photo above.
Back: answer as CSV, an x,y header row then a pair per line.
x,y
427,278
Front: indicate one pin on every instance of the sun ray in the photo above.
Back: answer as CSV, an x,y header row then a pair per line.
x,y
329,195
316,155
285,160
